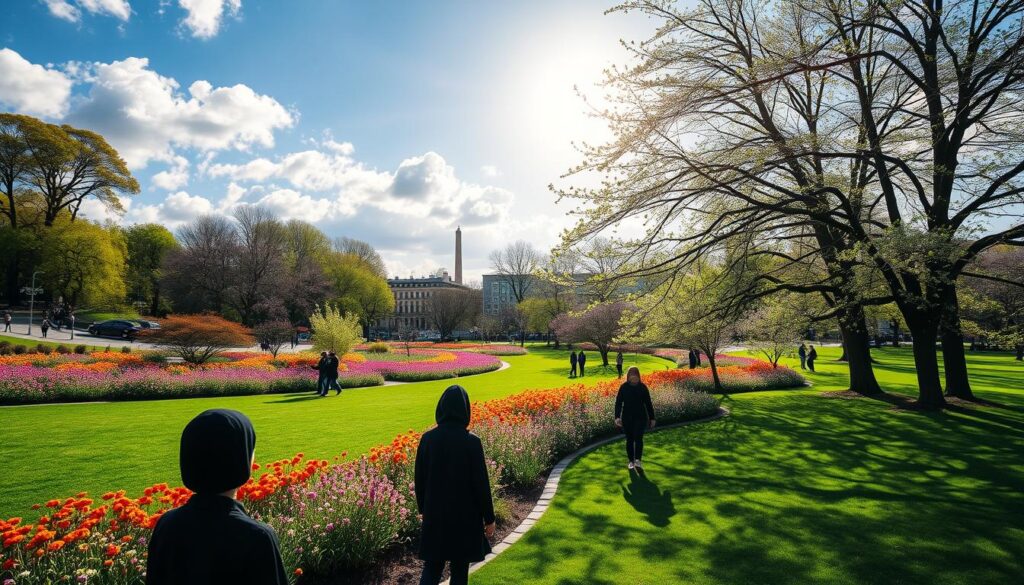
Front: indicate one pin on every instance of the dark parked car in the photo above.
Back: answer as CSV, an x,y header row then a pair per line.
x,y
115,328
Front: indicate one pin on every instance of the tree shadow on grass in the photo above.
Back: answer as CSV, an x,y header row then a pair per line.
x,y
646,498
300,398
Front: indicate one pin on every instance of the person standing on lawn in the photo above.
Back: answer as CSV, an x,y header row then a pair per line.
x,y
693,359
333,364
618,363
812,354
582,360
802,352
572,364
634,413
7,321
211,539
453,493
321,370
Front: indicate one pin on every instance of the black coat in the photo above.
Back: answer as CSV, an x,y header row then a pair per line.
x,y
572,358
212,540
633,405
331,366
583,358
453,491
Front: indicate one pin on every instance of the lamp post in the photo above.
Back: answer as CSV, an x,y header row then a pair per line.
x,y
32,300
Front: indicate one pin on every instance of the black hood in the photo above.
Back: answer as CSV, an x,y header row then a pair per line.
x,y
216,451
453,407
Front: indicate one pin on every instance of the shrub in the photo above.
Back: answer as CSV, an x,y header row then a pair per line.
x,y
20,349
523,451
63,349
154,357
333,330
197,338
274,334
125,349
80,349
378,347
44,349
5,348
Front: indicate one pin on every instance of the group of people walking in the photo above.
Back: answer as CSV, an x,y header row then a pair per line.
x,y
327,373
807,357
212,539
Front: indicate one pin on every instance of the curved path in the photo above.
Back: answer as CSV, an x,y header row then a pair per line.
x,y
551,486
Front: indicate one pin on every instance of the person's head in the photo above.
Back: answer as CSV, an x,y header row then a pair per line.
x,y
323,354
217,450
453,407
331,353
633,375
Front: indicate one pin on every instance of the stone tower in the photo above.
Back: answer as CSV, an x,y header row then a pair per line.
x,y
458,255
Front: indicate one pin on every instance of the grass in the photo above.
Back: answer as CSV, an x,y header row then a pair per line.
x,y
57,450
32,343
797,488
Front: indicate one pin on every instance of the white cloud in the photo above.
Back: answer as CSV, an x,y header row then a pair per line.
x,y
175,177
176,209
63,10
116,8
490,171
144,115
29,88
204,16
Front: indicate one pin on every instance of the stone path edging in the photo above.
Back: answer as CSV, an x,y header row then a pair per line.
x,y
551,486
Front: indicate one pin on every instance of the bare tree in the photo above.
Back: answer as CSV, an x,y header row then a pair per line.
x,y
260,272
364,252
451,308
198,275
517,263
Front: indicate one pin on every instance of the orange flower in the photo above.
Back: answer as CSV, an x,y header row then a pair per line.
x,y
112,550
55,546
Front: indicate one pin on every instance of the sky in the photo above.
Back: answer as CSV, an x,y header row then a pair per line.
x,y
392,123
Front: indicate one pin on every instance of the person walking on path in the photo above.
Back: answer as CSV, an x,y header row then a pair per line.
x,y
321,370
693,359
7,321
211,539
45,326
634,413
453,493
618,363
582,361
572,364
331,383
812,354
802,352
71,324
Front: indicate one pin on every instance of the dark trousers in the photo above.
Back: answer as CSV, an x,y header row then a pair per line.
x,y
7,326
635,443
44,332
803,362
572,372
321,384
810,364
581,370
332,384
619,368
432,571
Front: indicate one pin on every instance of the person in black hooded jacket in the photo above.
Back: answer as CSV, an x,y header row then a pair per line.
x,y
453,493
211,539
634,413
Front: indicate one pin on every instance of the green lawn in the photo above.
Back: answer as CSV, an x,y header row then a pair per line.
x,y
53,344
58,450
797,488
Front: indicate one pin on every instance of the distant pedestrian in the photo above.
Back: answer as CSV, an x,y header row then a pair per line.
x,y
71,324
7,320
45,326
802,352
812,355
333,363
321,369
618,363
294,340
696,352
572,364
582,361
211,539
693,359
634,413
453,493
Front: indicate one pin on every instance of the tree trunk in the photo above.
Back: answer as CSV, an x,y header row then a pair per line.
x,y
12,278
1020,353
714,372
604,356
954,361
858,352
926,362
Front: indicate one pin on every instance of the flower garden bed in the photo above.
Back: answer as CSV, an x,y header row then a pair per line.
x,y
38,377
342,515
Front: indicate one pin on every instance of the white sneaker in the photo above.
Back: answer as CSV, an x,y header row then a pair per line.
x,y
631,466
637,464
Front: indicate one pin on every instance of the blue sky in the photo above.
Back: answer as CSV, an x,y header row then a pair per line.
x,y
390,123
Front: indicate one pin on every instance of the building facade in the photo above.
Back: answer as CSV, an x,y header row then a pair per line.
x,y
412,301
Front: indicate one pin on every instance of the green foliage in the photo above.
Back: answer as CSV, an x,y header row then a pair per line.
x,y
378,347
147,246
83,262
358,289
333,330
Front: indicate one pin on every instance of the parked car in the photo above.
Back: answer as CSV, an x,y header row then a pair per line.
x,y
115,328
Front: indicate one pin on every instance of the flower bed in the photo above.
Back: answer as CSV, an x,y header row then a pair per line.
x,y
36,377
334,516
